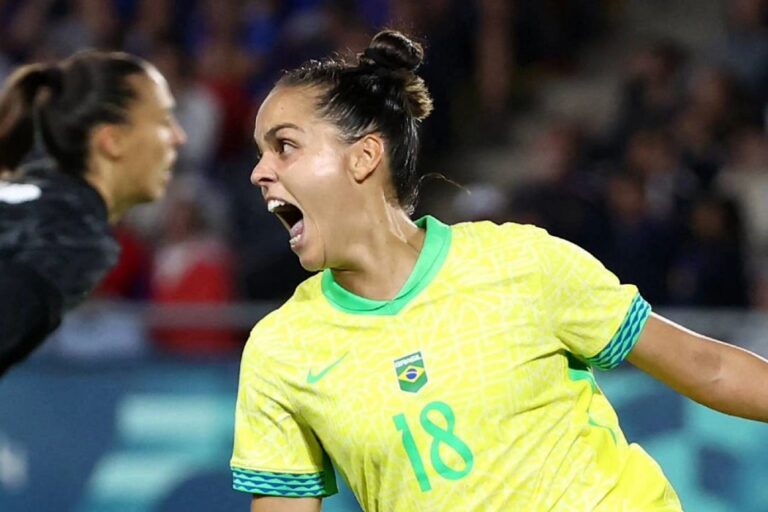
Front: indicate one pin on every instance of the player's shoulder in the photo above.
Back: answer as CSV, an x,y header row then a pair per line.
x,y
41,191
287,322
491,234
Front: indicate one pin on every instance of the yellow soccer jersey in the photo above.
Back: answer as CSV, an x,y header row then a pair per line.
x,y
470,391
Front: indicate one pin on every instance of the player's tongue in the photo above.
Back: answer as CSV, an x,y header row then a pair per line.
x,y
296,232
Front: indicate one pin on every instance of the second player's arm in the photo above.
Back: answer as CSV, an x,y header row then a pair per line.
x,y
277,504
30,308
721,376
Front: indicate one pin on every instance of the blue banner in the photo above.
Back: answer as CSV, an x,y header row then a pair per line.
x,y
156,436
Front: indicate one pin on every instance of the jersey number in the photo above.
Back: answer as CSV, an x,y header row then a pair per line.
x,y
439,436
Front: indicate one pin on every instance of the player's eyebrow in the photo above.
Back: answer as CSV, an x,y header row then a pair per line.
x,y
272,131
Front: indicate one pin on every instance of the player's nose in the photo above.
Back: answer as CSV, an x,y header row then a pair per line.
x,y
263,173
179,134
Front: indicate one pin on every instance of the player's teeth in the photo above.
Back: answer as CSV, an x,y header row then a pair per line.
x,y
274,203
293,241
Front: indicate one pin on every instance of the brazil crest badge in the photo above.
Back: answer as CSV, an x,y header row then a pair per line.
x,y
411,374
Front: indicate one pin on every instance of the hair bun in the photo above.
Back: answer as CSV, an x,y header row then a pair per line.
x,y
394,51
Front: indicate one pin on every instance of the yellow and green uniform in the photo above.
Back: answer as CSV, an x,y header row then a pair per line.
x,y
471,390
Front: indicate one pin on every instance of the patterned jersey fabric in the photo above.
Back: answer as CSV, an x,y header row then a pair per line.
x,y
472,390
57,225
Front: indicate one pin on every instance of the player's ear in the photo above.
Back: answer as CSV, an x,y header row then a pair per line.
x,y
108,140
365,156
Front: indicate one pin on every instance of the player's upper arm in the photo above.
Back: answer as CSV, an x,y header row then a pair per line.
x,y
585,305
275,452
278,504
33,313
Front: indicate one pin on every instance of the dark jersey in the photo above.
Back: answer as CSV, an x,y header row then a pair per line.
x,y
55,246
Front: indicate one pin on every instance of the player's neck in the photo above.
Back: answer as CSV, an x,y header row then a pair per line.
x,y
383,261
100,179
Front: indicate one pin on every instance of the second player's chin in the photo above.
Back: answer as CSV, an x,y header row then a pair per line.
x,y
162,186
155,194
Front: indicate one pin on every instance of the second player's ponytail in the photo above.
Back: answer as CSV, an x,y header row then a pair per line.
x,y
65,101
17,110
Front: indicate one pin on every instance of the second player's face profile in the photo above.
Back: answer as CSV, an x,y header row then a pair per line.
x,y
152,137
302,173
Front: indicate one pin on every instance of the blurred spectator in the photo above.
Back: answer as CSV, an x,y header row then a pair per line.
x,y
700,151
745,178
193,265
745,48
225,67
651,93
153,22
639,247
669,187
720,102
688,125
553,31
89,24
449,29
494,63
562,196
261,27
129,279
22,28
710,269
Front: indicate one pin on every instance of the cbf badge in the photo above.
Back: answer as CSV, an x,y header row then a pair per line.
x,y
411,374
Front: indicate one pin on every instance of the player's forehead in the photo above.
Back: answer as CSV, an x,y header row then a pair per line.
x,y
286,106
152,91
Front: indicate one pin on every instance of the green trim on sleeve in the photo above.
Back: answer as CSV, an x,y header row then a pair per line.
x,y
284,484
625,338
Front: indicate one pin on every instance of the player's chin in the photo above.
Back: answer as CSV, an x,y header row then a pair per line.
x,y
310,264
310,260
152,193
160,186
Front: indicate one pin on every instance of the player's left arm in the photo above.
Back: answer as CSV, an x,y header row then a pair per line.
x,y
721,376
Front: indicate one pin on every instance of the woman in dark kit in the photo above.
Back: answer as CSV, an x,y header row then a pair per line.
x,y
106,121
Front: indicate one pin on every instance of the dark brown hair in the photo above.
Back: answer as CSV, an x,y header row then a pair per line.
x,y
65,101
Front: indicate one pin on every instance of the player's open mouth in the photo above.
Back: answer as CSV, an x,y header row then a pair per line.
x,y
291,217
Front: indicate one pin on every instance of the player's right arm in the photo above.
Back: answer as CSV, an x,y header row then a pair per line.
x,y
276,456
277,504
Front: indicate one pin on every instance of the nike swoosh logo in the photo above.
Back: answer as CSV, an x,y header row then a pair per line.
x,y
312,378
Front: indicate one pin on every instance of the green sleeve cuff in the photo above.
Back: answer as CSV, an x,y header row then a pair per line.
x,y
625,338
284,484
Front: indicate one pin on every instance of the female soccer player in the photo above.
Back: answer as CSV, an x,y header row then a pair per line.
x,y
439,367
106,122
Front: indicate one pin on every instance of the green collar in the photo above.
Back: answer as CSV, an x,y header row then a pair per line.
x,y
437,242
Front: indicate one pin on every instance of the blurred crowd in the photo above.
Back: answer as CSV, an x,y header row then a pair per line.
x,y
672,196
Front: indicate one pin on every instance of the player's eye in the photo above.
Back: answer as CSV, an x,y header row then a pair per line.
x,y
284,146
